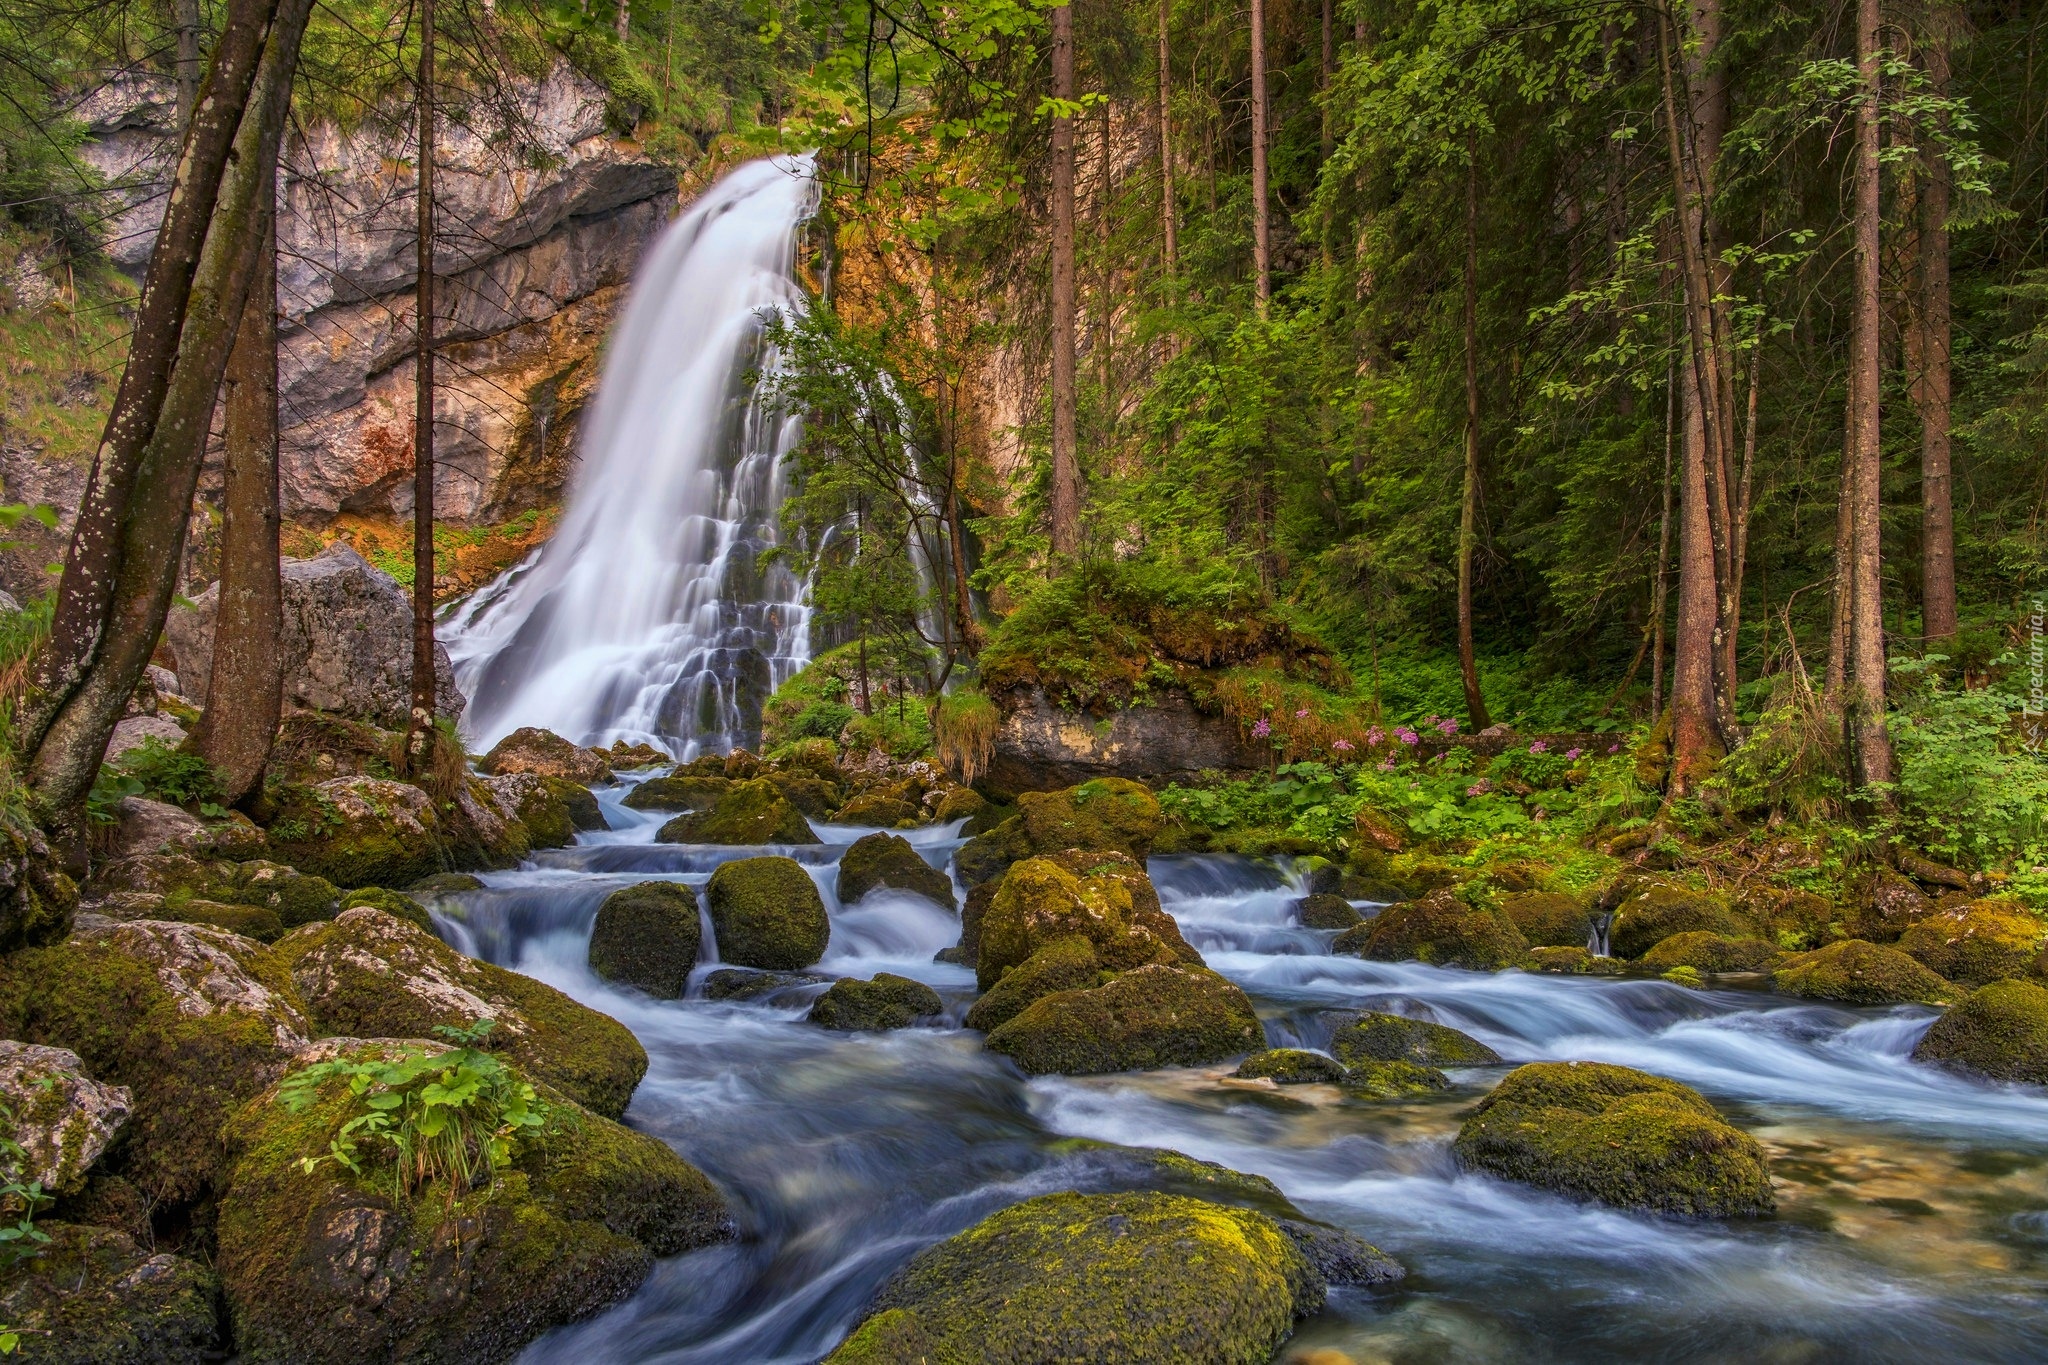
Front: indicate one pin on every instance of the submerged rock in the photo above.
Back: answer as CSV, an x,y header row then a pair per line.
x,y
1617,1136
1139,1278
1392,1080
1155,1016
1391,1038
1440,929
1999,1031
1975,944
545,754
749,812
887,1002
1321,910
1705,952
61,1118
100,1298
647,935
1290,1066
878,860
738,983
766,912
1549,919
1858,973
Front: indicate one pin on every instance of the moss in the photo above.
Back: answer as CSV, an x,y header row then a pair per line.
x,y
93,1296
293,896
546,754
583,810
817,797
545,812
447,884
876,808
1392,1038
750,812
1441,929
1040,901
1549,919
1654,911
1290,1066
1145,1278
250,921
1978,943
1704,952
1152,1017
1859,973
647,935
887,1002
1064,964
391,903
1999,1031
1619,1137
877,860
1108,814
961,803
1392,1080
359,832
1570,962
678,792
767,913
744,983
1688,977
1322,910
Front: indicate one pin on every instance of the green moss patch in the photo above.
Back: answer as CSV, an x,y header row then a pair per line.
x,y
887,1002
1999,1031
1653,912
1392,1038
749,812
1064,964
1155,1016
878,860
1987,940
648,935
766,912
1290,1066
1549,919
1858,973
1441,929
1705,952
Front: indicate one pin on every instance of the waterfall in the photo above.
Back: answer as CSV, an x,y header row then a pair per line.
x,y
647,615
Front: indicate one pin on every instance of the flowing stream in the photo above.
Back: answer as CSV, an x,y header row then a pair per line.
x,y
1913,1221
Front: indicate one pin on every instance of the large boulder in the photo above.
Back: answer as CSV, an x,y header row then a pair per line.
x,y
1154,1016
647,935
1880,904
360,831
100,1298
1442,929
1978,943
1369,1038
1065,964
749,812
678,792
368,974
1618,1136
1148,918
346,641
544,753
537,803
766,912
191,1020
36,899
1549,919
1139,1278
325,1265
1858,973
1106,814
887,1002
1650,912
1999,1031
1041,900
878,808
1705,952
877,860
1322,910
62,1118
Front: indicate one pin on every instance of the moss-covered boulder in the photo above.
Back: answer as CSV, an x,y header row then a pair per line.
x,y
296,897
745,983
1653,911
814,795
889,1001
360,831
1148,917
1858,973
93,1297
1290,1066
1705,952
1106,814
391,903
1392,1080
1975,944
750,812
679,791
624,757
1373,1037
446,884
1570,962
647,935
1112,905
1617,1136
37,899
372,975
536,803
959,803
192,1020
327,1266
1065,964
1442,929
1139,1278
1999,1031
1879,904
766,912
59,1117
878,808
889,860
546,754
1154,1016
250,921
1549,919
1321,910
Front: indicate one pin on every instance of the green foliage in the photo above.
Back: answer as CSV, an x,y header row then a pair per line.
x,y
1971,789
178,776
20,1200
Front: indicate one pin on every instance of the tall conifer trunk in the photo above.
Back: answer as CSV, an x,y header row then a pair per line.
x,y
1468,509
1066,467
1870,746
417,741
1262,227
1168,215
1931,391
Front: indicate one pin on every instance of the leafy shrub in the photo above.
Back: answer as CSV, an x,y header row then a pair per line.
x,y
820,720
178,776
1968,788
20,1200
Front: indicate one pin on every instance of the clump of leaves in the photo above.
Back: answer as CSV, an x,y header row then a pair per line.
x,y
447,1118
155,769
20,1200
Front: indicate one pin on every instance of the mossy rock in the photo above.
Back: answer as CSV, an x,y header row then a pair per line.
x,y
1441,929
372,975
1065,964
584,812
624,757
684,792
38,899
391,903
295,897
766,912
545,754
877,860
1155,1016
535,806
751,812
1040,901
1879,905
1705,952
446,884
1392,1080
1392,1038
1858,973
876,808
1321,910
1290,1066
192,1019
1988,940
360,831
1570,962
1654,911
1549,919
1999,1031
1619,1137
744,983
815,796
1140,1278
1107,814
250,921
887,1002
1688,977
326,1266
959,803
91,1296
647,935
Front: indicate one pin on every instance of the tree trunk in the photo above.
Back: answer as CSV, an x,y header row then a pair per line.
x,y
93,561
187,15
1660,587
1835,681
624,19
147,541
1696,741
245,690
1329,69
1167,212
1468,510
1931,392
1262,227
1871,746
423,699
1066,468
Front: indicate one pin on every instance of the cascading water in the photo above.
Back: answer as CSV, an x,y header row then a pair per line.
x,y
647,617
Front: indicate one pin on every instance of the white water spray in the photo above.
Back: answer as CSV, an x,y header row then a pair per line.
x,y
646,616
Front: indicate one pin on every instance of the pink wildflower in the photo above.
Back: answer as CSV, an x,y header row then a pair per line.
x,y
1614,748
1479,788
1375,735
1447,727
1407,736
1302,714
1262,728
1387,766
1539,746
1571,753
1342,746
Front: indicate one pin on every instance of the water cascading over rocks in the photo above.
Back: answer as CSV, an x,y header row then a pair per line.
x,y
648,616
